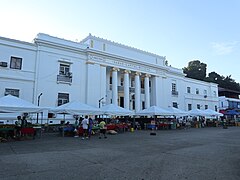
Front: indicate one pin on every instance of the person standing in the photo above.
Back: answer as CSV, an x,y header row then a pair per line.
x,y
103,129
17,132
85,123
24,122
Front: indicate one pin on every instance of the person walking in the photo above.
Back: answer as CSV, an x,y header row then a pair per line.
x,y
85,123
90,125
103,129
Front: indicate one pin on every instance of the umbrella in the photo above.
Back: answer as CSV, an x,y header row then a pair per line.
x,y
112,109
154,110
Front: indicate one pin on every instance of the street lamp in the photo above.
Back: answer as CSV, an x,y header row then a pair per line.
x,y
38,103
99,102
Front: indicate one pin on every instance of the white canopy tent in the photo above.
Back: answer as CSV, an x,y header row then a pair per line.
x,y
12,104
177,112
76,107
153,111
213,113
112,109
197,112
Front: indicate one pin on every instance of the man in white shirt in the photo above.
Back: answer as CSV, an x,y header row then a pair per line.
x,y
85,123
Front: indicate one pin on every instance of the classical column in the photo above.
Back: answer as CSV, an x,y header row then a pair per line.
x,y
147,93
137,91
114,86
126,89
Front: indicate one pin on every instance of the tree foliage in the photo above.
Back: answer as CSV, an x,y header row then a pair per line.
x,y
197,70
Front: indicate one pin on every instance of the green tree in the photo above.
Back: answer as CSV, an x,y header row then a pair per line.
x,y
224,82
196,70
214,77
230,83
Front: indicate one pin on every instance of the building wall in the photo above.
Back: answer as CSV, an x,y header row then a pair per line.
x,y
91,70
211,98
228,103
123,51
23,79
50,54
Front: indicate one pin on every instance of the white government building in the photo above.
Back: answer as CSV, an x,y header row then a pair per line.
x,y
96,71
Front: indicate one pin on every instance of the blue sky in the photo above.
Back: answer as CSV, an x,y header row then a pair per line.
x,y
181,30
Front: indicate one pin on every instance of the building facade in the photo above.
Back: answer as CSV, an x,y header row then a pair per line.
x,y
97,72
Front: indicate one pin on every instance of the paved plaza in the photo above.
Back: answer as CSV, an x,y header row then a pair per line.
x,y
206,153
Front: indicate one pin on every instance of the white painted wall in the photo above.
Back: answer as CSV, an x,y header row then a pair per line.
x,y
47,77
13,78
91,76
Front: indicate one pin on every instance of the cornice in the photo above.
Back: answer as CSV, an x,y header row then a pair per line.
x,y
127,63
16,43
91,37
60,46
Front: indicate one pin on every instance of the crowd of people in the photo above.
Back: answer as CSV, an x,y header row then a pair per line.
x,y
84,127
20,123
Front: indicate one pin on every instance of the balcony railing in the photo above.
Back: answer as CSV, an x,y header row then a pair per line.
x,y
175,93
64,78
120,88
131,89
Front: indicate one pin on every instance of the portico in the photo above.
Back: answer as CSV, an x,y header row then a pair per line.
x,y
133,90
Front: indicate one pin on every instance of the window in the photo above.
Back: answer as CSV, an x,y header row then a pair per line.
x,y
64,69
214,93
110,81
142,83
65,76
174,87
16,63
197,91
198,106
143,104
206,106
13,92
188,90
189,107
121,82
63,98
175,104
205,92
132,82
